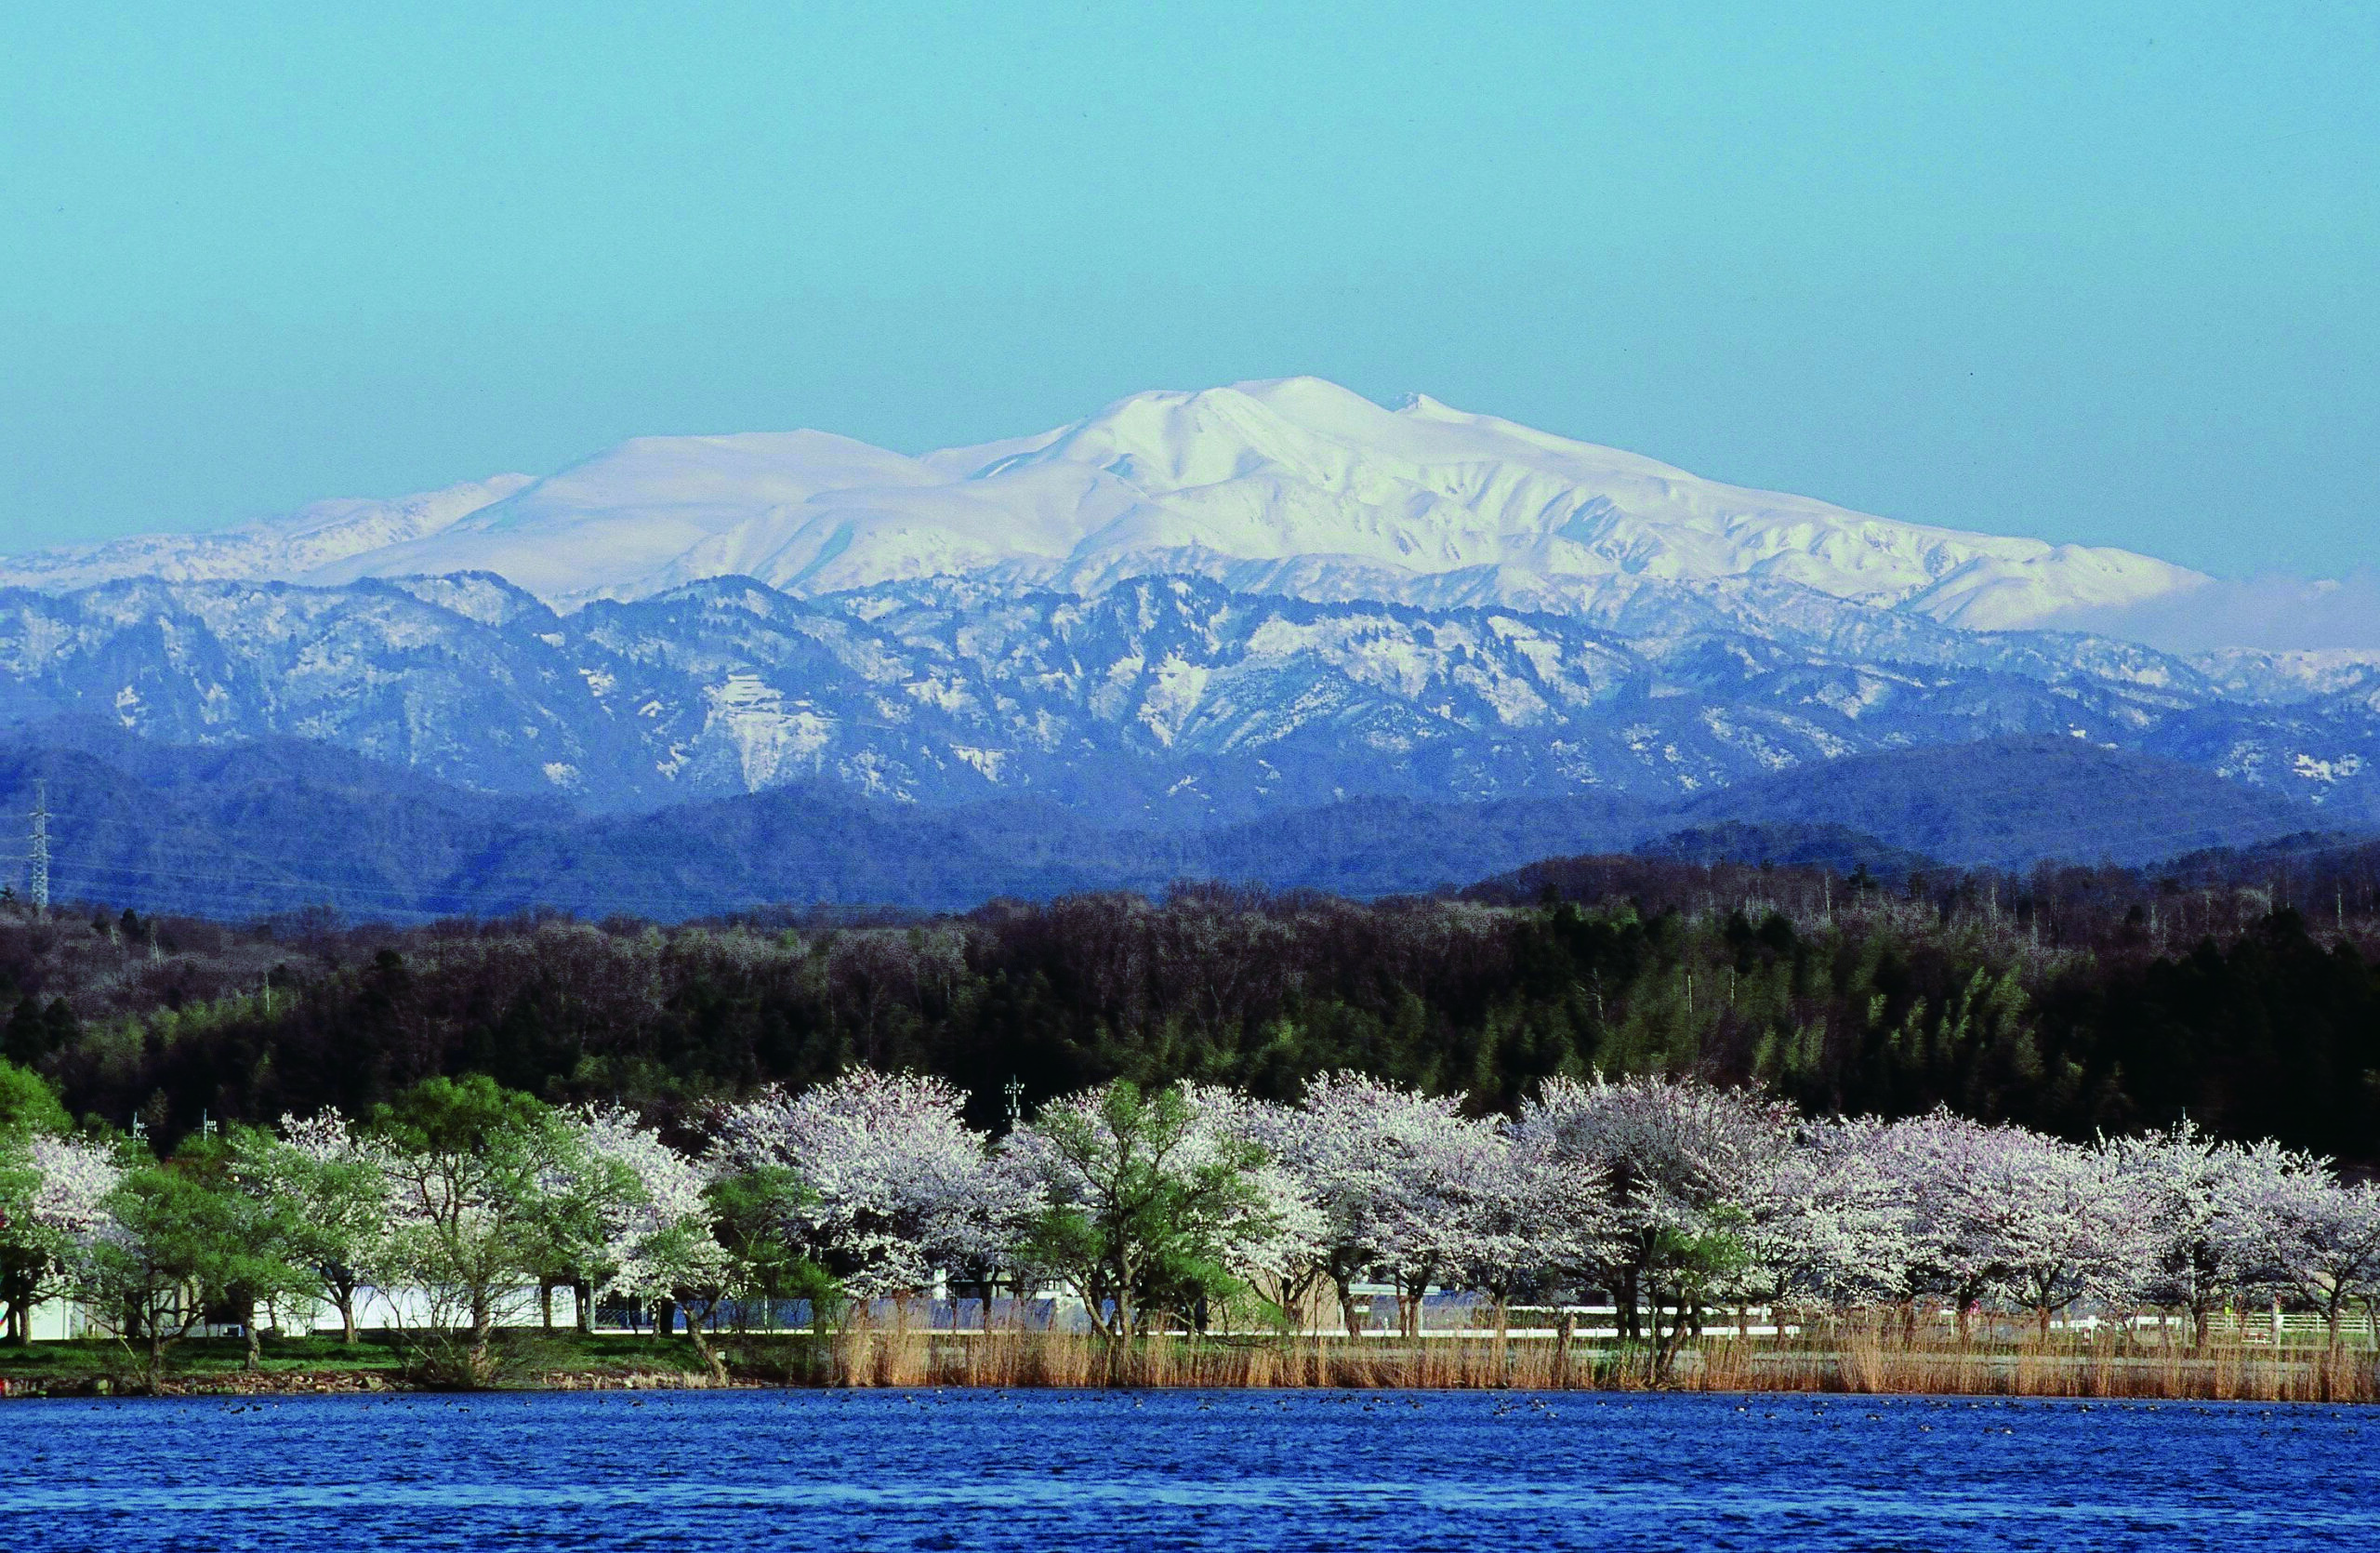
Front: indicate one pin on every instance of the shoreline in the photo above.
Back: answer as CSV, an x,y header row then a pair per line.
x,y
861,1359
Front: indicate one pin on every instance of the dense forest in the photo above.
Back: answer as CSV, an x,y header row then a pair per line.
x,y
2242,992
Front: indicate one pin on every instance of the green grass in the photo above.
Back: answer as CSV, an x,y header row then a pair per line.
x,y
71,1363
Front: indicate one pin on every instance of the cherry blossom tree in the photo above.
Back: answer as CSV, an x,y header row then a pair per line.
x,y
2057,1222
899,1188
1542,1213
2208,1208
1831,1226
75,1175
1933,1246
1676,1194
652,1225
1692,1167
1402,1180
1313,1146
2324,1237
55,1196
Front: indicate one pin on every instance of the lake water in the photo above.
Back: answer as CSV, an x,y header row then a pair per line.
x,y
1402,1472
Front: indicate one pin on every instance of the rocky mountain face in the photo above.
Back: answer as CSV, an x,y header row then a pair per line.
x,y
1171,702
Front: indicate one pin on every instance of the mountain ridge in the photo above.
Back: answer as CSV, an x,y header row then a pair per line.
x,y
1168,701
1293,486
1186,611
283,825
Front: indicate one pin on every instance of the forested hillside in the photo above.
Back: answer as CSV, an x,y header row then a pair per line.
x,y
277,824
2240,991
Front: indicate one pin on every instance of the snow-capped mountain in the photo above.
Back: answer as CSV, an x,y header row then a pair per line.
x,y
1166,700
1189,607
317,536
2292,678
1295,487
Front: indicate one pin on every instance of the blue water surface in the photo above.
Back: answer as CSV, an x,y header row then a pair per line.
x,y
1401,1472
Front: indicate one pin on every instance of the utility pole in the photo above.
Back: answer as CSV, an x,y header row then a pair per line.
x,y
40,860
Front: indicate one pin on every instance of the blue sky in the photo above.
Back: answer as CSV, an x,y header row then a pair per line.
x,y
2099,272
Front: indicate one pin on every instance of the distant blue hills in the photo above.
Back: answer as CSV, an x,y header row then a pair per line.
x,y
277,824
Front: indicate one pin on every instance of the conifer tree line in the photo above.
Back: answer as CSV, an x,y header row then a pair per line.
x,y
2076,1002
1187,1205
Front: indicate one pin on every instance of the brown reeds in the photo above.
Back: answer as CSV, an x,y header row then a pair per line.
x,y
1882,1354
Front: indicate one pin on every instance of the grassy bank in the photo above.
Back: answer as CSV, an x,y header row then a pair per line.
x,y
380,1362
1871,1359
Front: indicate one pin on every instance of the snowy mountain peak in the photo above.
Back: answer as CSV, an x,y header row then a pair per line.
x,y
1291,485
303,543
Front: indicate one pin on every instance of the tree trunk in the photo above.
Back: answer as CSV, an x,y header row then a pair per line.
x,y
665,1319
582,1307
710,1356
252,1359
1562,1332
346,1304
546,1287
2201,1324
1408,1306
1665,1346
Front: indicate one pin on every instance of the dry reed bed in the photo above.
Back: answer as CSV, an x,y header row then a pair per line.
x,y
1859,1359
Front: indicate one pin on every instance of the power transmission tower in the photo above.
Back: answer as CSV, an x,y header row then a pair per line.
x,y
40,860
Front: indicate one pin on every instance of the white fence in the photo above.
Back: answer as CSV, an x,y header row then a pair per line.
x,y
1443,1315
